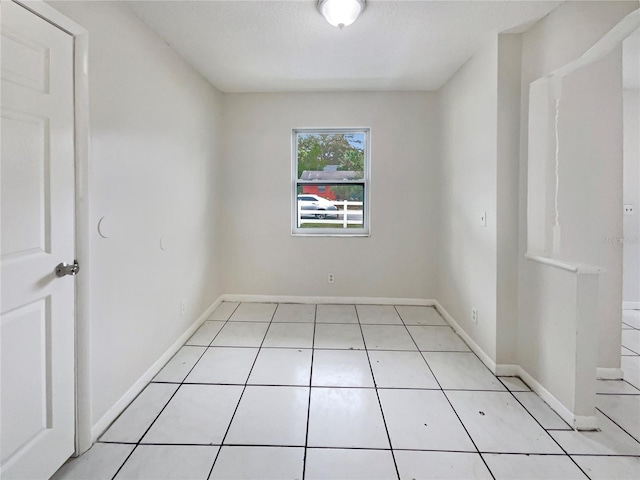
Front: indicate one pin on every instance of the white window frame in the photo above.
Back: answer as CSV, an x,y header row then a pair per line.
x,y
365,231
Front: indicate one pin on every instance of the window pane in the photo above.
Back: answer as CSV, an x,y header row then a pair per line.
x,y
326,157
326,209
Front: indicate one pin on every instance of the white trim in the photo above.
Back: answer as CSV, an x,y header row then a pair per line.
x,y
322,233
363,232
551,262
547,396
53,16
609,374
557,263
575,421
486,359
82,220
631,305
584,423
83,245
327,300
507,370
112,414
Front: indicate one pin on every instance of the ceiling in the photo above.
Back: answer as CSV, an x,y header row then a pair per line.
x,y
287,46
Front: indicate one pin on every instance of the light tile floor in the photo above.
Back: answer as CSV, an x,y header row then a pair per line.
x,y
343,392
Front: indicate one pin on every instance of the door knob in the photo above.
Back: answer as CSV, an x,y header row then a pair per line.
x,y
64,269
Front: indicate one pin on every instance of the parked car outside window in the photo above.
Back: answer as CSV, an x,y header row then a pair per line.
x,y
318,205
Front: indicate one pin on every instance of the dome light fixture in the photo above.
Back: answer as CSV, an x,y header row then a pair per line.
x,y
341,13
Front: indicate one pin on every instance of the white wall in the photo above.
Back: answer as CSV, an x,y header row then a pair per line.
x,y
154,172
550,44
171,157
480,110
484,110
590,193
508,164
467,270
631,195
554,338
261,255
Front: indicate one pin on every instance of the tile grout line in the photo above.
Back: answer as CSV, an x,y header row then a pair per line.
x,y
218,332
135,447
629,383
306,437
449,401
616,423
351,386
545,430
243,390
631,327
373,378
332,348
610,394
137,444
367,351
615,455
635,353
530,414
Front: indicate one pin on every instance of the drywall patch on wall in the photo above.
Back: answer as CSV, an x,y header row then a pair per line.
x,y
550,44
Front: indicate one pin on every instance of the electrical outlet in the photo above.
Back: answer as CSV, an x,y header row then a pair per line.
x,y
331,278
474,315
628,209
183,307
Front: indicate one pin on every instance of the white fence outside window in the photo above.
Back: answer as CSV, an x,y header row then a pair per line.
x,y
343,216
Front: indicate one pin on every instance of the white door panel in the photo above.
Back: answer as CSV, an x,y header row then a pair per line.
x,y
37,233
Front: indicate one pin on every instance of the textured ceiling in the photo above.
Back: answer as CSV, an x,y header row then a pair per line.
x,y
276,46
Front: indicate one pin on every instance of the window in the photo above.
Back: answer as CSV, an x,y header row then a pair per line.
x,y
330,182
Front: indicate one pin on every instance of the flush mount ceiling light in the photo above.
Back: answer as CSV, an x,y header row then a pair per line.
x,y
341,13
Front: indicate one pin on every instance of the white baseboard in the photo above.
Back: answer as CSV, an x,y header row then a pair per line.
x,y
328,300
585,424
631,305
609,374
112,414
577,422
491,365
506,370
574,421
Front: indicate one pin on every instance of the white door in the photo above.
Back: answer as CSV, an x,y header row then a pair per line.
x,y
37,233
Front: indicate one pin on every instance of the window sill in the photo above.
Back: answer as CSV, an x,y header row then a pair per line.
x,y
327,234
